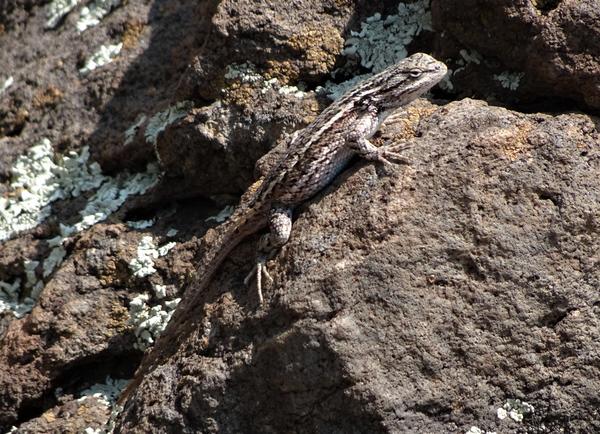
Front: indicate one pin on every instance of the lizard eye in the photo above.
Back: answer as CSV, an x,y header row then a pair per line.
x,y
415,73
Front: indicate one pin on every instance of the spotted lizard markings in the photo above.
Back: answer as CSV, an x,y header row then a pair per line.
x,y
315,155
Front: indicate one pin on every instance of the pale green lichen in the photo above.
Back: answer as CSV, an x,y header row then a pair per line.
x,y
509,80
104,55
143,264
39,178
515,409
246,73
223,215
161,120
140,224
132,130
476,430
381,42
92,14
149,322
243,72
106,393
57,10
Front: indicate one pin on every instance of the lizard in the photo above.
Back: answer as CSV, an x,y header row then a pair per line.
x,y
314,156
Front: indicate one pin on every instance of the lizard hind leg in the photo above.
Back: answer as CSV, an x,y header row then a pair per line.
x,y
280,228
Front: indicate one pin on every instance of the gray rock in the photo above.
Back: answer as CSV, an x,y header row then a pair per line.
x,y
417,299
554,44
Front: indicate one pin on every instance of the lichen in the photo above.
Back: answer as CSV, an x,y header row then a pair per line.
x,y
509,80
92,14
515,409
104,55
143,264
160,121
57,10
149,322
319,47
140,224
106,393
222,215
382,42
41,177
476,430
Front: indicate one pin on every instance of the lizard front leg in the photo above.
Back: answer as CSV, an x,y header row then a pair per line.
x,y
280,228
369,151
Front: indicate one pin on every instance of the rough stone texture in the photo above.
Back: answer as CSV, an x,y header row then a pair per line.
x,y
555,43
232,136
71,416
78,333
417,299
318,356
79,324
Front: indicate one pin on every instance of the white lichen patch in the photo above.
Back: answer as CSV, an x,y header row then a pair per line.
x,y
55,258
6,84
476,430
132,130
92,14
382,42
160,291
111,195
140,224
297,91
471,56
223,215
39,178
106,393
515,409
9,299
172,232
161,120
149,322
335,90
104,55
244,72
143,264
509,80
57,10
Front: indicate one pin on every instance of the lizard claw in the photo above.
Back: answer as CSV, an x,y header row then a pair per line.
x,y
386,155
258,271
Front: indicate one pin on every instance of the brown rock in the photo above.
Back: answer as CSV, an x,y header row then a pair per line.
x,y
418,299
556,44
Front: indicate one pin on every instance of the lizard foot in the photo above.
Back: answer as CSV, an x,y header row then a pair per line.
x,y
387,153
258,271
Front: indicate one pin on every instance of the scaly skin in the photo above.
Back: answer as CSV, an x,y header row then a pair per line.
x,y
315,155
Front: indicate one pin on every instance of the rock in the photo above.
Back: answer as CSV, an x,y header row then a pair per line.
x,y
558,53
78,321
233,135
353,338
417,299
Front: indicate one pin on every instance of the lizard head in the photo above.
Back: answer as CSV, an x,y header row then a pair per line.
x,y
404,81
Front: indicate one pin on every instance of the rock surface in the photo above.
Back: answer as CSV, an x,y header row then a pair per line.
x,y
418,300
553,44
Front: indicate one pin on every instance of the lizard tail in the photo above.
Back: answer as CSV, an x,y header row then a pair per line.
x,y
229,235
